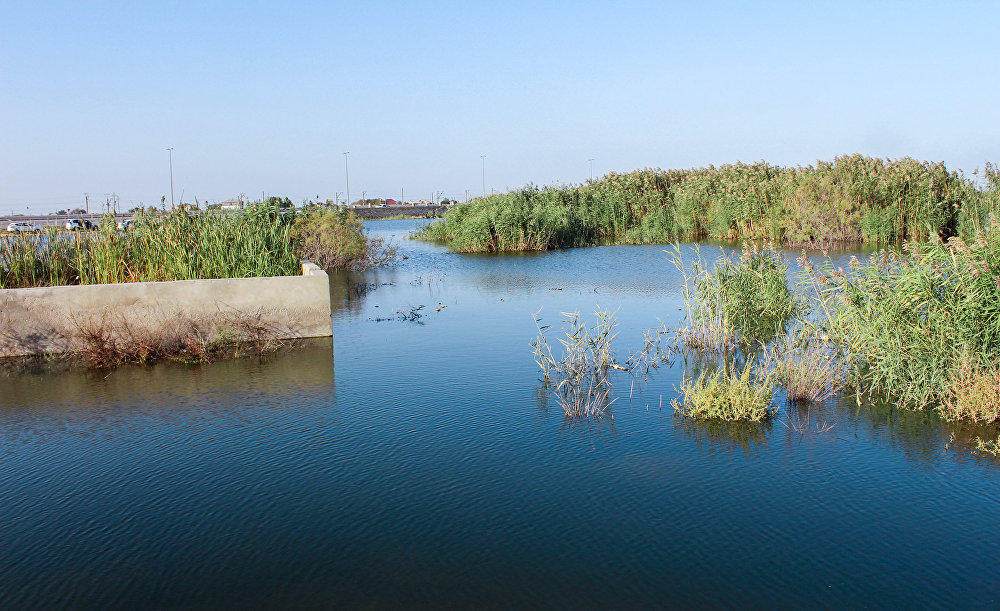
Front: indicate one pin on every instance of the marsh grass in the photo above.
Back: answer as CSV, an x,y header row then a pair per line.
x,y
728,394
853,199
580,373
739,302
257,241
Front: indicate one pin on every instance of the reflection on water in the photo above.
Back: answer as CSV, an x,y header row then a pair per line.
x,y
434,469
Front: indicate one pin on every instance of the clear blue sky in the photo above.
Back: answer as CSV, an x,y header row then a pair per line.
x,y
266,96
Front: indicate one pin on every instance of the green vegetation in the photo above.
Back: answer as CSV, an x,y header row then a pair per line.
x,y
921,327
335,238
743,301
255,242
729,395
580,374
851,199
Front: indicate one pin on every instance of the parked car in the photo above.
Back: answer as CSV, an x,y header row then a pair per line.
x,y
76,225
23,227
124,224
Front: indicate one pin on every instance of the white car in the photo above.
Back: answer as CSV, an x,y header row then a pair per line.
x,y
23,227
124,224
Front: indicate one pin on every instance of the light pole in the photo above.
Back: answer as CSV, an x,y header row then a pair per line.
x,y
347,173
484,174
170,160
591,161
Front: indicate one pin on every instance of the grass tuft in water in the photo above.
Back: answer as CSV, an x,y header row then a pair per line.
x,y
580,373
728,395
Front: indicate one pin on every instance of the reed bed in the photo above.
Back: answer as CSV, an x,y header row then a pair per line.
x,y
255,242
852,199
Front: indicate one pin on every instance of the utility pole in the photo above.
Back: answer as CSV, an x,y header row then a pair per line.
x,y
364,200
401,200
347,173
591,161
86,201
466,196
170,160
484,174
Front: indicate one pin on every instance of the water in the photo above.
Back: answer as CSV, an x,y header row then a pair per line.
x,y
420,463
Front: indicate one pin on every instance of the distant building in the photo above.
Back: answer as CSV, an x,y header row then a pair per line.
x,y
231,204
391,202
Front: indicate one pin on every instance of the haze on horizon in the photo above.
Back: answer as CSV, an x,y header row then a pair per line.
x,y
260,98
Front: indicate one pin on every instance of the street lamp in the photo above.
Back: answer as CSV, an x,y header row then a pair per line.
x,y
170,160
347,173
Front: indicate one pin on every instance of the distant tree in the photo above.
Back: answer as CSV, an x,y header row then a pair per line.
x,y
445,201
62,212
77,211
280,202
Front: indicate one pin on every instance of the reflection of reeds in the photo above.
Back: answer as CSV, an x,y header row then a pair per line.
x,y
727,434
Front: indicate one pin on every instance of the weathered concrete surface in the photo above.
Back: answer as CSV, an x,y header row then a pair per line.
x,y
55,319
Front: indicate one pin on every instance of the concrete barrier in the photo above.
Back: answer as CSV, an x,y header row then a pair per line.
x,y
55,319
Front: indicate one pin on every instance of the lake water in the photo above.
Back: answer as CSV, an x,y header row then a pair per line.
x,y
421,463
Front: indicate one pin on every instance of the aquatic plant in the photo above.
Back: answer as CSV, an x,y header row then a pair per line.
x,y
331,238
921,327
988,446
806,365
744,301
973,393
728,394
850,199
580,373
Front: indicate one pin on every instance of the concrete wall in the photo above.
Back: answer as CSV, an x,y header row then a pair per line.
x,y
378,212
54,319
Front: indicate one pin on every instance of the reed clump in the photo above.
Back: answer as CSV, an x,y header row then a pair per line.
x,y
730,394
744,301
258,241
334,238
807,366
921,327
853,198
580,373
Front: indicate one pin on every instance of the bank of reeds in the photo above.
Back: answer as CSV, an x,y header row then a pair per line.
x,y
852,199
921,327
257,241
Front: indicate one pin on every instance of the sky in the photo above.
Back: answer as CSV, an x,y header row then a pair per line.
x,y
261,97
